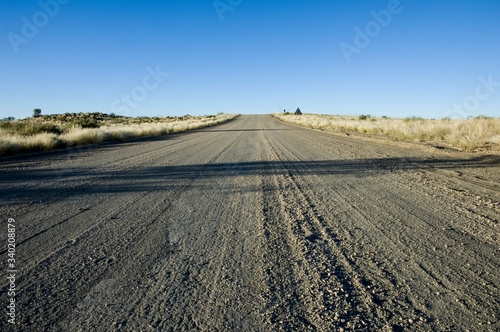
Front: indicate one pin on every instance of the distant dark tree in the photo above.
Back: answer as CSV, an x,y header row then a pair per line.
x,y
284,111
298,112
37,112
9,118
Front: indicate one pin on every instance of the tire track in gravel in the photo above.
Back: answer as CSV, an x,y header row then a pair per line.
x,y
363,298
192,271
421,215
327,296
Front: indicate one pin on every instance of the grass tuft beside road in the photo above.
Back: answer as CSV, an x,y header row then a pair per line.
x,y
476,134
60,131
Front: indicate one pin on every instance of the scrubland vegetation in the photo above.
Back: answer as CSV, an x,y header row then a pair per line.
x,y
479,133
49,132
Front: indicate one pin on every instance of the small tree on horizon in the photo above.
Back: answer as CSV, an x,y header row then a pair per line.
x,y
37,112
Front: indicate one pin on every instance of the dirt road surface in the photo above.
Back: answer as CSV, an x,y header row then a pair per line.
x,y
253,225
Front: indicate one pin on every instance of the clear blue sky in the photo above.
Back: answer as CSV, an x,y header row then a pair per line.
x,y
426,59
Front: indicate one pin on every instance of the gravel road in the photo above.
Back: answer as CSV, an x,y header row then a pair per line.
x,y
253,225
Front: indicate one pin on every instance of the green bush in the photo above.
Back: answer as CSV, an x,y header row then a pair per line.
x,y
86,123
413,118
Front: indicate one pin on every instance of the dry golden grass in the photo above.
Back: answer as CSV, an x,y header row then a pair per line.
x,y
10,144
32,135
472,134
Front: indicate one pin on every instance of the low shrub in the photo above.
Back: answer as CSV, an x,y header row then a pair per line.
x,y
30,127
86,123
